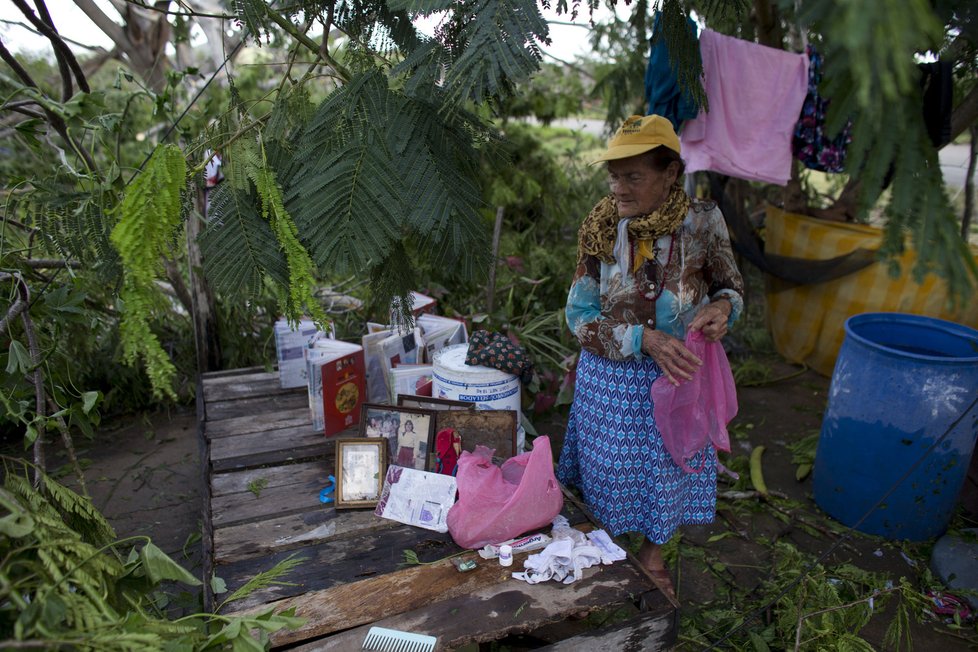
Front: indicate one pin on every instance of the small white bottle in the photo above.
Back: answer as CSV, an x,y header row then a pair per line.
x,y
505,555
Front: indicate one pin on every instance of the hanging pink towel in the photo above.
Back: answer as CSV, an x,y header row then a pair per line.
x,y
755,94
696,413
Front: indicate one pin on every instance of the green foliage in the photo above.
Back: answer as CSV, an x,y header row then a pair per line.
x,y
301,284
257,485
238,247
149,215
387,181
803,454
490,66
825,610
889,141
65,583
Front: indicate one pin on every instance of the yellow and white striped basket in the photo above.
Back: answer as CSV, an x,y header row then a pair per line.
x,y
806,321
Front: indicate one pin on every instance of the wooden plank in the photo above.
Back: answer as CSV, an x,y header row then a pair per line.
x,y
233,509
648,631
479,606
256,405
271,447
233,482
245,541
261,538
207,536
244,386
211,375
338,562
372,552
270,420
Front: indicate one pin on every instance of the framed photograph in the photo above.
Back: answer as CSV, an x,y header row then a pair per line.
x,y
360,467
495,429
409,432
432,403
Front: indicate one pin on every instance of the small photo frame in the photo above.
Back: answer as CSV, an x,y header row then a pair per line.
x,y
409,432
360,467
432,403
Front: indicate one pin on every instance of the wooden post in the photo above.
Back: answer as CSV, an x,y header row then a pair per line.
x,y
496,233
206,340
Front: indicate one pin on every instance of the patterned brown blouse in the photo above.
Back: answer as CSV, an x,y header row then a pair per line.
x,y
607,308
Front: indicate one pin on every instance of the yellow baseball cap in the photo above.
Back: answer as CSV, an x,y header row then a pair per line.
x,y
640,134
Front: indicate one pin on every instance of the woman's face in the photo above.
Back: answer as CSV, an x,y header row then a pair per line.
x,y
638,188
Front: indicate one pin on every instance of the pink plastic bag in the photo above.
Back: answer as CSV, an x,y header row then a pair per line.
x,y
496,504
697,411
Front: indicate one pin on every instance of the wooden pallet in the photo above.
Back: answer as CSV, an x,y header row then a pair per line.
x,y
255,434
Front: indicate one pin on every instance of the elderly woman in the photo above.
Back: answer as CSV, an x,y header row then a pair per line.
x,y
652,264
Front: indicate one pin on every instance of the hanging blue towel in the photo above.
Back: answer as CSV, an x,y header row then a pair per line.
x,y
661,86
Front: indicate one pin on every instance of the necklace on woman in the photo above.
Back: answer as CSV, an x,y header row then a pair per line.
x,y
656,286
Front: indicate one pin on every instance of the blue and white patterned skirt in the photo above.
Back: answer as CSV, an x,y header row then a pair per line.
x,y
614,453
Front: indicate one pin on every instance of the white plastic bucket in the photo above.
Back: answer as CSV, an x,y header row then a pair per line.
x,y
488,388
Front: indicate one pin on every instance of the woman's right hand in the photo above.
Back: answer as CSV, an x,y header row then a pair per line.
x,y
672,356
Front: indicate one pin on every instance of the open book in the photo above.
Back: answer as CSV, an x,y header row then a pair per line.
x,y
439,332
337,384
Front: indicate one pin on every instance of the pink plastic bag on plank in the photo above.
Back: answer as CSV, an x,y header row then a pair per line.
x,y
499,503
697,411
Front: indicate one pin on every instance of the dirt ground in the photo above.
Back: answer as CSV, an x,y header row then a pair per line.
x,y
143,473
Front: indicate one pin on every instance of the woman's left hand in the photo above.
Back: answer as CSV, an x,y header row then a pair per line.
x,y
712,319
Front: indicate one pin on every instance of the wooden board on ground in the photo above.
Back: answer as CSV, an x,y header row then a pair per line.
x,y
263,467
483,609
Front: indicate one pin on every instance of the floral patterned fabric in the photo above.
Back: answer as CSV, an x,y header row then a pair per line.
x,y
810,145
608,308
497,351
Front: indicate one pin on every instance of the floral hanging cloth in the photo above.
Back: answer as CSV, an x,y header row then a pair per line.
x,y
498,351
810,145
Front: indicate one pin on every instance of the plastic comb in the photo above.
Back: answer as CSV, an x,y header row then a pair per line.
x,y
380,639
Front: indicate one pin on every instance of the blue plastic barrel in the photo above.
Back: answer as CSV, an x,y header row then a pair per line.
x,y
900,382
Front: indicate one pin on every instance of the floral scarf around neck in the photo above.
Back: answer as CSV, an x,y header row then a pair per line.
x,y
599,229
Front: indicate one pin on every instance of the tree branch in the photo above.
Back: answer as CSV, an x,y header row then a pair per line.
x,y
30,29
53,119
964,114
61,49
18,108
287,25
49,263
111,28
195,14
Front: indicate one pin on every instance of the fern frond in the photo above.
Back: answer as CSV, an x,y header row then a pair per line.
x,y
238,246
265,579
382,26
421,7
75,226
499,43
679,32
149,216
346,200
302,282
439,165
79,512
291,112
254,15
149,213
138,340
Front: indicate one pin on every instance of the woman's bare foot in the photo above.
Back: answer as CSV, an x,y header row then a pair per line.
x,y
650,556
